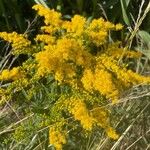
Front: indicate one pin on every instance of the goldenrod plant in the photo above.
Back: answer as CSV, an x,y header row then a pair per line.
x,y
73,71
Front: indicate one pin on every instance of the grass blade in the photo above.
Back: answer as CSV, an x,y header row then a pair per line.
x,y
124,5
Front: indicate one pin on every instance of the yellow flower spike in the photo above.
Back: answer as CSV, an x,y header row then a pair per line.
x,y
47,39
46,62
13,74
112,133
98,38
57,138
115,51
49,29
126,77
101,81
87,79
20,44
5,75
51,16
80,112
104,84
76,26
109,26
96,24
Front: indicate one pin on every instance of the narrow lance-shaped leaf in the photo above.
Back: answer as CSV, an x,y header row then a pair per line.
x,y
124,5
145,36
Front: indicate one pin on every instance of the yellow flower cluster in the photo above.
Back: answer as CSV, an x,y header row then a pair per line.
x,y
62,56
78,109
76,26
98,31
49,63
46,38
57,138
105,75
51,17
49,29
114,50
112,133
119,26
97,116
13,74
95,32
78,55
88,79
101,81
105,85
89,118
126,77
62,59
100,116
20,44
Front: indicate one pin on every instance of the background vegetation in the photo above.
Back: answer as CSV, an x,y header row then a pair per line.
x,y
131,116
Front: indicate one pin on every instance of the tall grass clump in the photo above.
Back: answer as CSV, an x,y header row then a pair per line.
x,y
62,92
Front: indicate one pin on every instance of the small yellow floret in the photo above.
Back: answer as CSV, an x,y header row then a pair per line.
x,y
119,26
57,138
112,133
20,44
13,74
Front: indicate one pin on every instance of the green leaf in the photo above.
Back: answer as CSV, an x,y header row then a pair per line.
x,y
127,2
145,36
146,52
124,5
